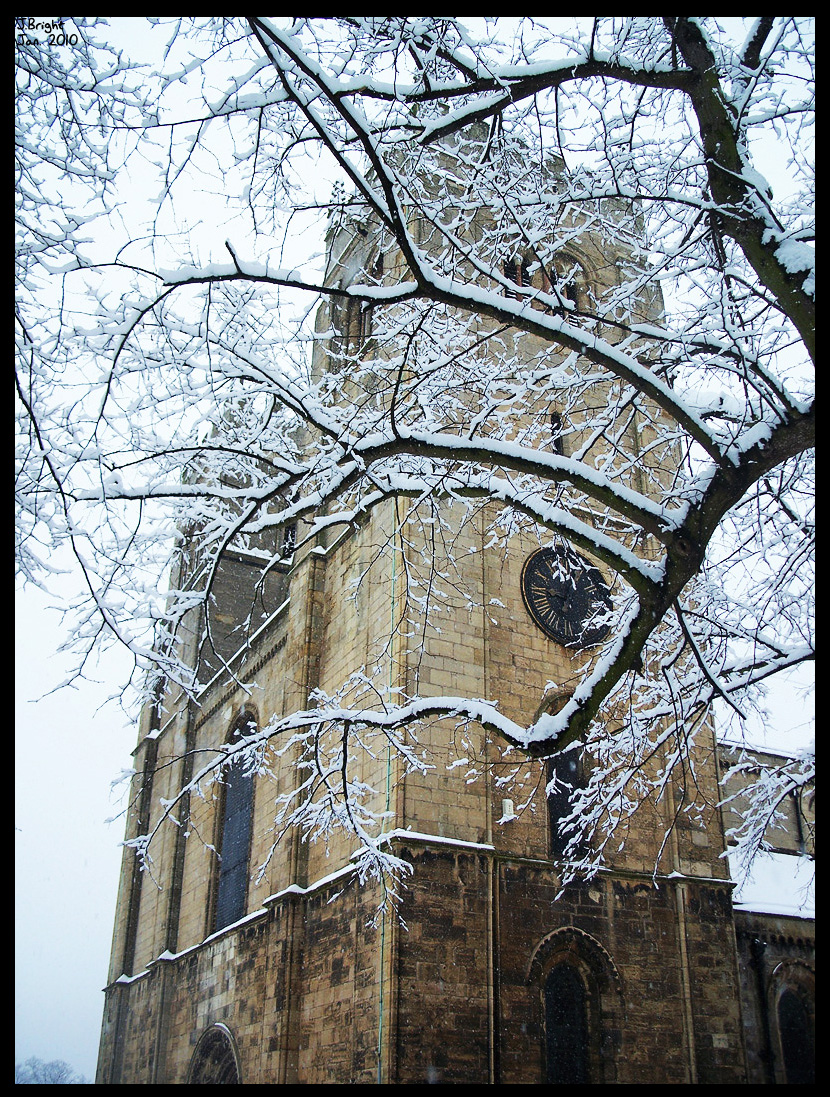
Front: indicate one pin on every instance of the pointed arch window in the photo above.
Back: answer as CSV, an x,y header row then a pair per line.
x,y
235,842
796,1040
581,1009
566,1027
215,1060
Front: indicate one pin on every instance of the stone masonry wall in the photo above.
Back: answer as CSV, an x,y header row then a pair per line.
x,y
657,1021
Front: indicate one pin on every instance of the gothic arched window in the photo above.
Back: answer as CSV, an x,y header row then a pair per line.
x,y
796,1040
581,1009
235,841
215,1061
566,1027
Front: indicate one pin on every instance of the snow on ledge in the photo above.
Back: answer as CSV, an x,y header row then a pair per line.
x,y
437,838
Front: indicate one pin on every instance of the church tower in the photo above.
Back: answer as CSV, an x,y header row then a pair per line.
x,y
244,953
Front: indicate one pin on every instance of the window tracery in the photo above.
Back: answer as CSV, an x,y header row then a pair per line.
x,y
215,1060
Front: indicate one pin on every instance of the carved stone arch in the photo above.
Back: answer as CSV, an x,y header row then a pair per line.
x,y
246,716
570,941
791,1003
215,1059
597,987
554,701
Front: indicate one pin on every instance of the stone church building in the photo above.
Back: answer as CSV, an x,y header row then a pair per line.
x,y
247,956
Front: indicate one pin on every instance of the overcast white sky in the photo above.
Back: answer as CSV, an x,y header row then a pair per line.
x,y
67,858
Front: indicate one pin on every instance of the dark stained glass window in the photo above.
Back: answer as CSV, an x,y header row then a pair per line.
x,y
556,433
234,850
796,1040
566,767
566,1027
214,1062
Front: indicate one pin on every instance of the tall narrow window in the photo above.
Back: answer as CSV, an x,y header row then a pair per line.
x,y
289,539
566,768
580,1009
570,278
796,1040
357,326
556,433
566,1027
235,843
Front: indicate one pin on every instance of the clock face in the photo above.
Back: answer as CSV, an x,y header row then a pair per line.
x,y
566,596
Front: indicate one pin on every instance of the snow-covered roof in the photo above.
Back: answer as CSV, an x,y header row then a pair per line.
x,y
779,883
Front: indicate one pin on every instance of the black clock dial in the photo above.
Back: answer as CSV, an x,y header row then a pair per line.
x,y
566,596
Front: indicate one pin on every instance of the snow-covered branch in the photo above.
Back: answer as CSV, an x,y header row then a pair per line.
x,y
294,277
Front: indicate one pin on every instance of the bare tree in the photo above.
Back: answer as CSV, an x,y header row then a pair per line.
x,y
35,1072
471,182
